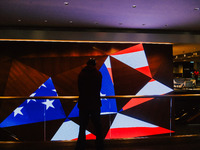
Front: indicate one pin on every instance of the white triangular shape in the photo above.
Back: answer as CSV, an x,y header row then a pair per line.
x,y
123,121
154,88
69,130
134,60
107,62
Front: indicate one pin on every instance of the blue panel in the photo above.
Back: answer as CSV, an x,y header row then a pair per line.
x,y
74,112
46,89
32,111
108,105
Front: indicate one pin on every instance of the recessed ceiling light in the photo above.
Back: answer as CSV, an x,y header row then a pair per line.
x,y
45,20
133,6
66,3
19,20
71,21
196,8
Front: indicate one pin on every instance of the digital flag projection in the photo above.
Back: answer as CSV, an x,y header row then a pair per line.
x,y
34,110
118,121
122,125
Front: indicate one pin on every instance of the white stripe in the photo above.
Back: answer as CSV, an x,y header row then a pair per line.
x,y
134,60
107,113
107,62
68,131
154,88
123,121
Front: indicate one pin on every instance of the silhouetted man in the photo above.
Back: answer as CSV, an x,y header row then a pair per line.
x,y
196,75
89,103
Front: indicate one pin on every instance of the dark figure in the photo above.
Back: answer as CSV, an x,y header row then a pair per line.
x,y
89,103
196,74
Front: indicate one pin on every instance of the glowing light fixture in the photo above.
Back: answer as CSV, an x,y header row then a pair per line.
x,y
66,3
133,6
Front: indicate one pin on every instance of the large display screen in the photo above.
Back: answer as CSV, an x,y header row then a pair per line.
x,y
129,69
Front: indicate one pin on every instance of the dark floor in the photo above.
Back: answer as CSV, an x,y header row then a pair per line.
x,y
189,142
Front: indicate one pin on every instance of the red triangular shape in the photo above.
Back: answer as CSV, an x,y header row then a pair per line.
x,y
132,49
110,73
135,132
152,80
88,137
135,101
145,70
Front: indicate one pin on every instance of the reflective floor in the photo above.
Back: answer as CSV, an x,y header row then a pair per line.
x,y
154,143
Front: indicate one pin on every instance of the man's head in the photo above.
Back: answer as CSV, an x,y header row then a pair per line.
x,y
91,62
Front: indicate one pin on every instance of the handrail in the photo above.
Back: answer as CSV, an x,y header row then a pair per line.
x,y
102,97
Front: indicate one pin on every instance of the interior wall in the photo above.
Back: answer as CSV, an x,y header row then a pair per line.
x,y
109,35
28,66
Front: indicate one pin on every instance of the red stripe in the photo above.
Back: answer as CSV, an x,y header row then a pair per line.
x,y
88,137
132,49
145,70
110,72
135,132
135,101
152,80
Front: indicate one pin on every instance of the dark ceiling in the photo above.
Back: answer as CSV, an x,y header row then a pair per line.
x,y
124,14
145,15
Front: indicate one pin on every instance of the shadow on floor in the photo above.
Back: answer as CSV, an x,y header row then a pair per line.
x,y
146,143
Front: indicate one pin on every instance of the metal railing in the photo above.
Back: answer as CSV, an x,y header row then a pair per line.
x,y
75,99
102,97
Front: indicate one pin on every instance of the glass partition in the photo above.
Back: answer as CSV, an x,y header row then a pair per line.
x,y
57,118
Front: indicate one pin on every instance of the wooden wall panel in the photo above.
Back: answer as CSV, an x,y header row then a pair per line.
x,y
23,80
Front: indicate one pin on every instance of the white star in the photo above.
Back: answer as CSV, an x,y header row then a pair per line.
x,y
103,95
54,90
43,86
32,95
48,103
28,100
18,111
